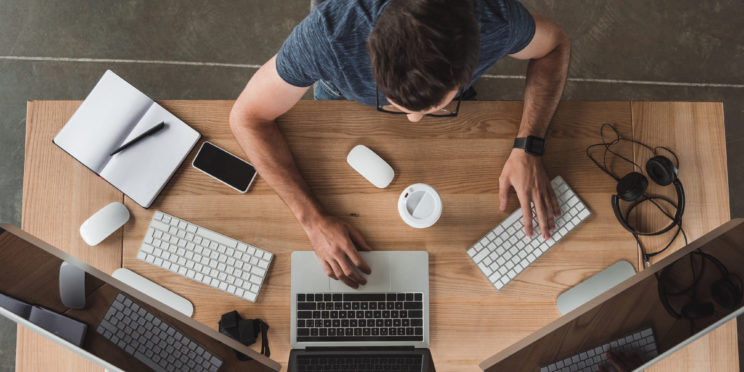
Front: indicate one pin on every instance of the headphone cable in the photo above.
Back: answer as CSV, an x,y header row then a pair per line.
x,y
651,198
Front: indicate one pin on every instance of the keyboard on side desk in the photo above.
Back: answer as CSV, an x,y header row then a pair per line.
x,y
640,344
205,256
360,317
506,251
152,341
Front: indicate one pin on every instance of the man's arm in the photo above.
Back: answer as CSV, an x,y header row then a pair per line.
x,y
549,54
252,120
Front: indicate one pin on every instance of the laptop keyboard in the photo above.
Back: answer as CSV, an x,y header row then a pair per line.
x,y
360,317
360,363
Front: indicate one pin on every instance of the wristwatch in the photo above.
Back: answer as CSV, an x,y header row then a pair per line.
x,y
531,145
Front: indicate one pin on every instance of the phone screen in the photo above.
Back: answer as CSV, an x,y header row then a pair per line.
x,y
224,166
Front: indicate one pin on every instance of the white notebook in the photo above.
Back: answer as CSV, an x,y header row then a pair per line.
x,y
113,113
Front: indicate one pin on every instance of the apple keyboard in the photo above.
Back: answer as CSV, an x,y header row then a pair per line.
x,y
506,251
640,344
205,256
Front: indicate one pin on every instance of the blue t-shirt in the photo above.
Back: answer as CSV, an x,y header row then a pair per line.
x,y
331,43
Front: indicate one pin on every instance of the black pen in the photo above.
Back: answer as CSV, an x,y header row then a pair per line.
x,y
149,132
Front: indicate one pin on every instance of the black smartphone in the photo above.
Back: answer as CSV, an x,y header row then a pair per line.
x,y
224,167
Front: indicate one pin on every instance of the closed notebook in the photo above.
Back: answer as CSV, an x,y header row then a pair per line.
x,y
114,113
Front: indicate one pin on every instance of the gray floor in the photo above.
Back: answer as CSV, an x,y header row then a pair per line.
x,y
643,47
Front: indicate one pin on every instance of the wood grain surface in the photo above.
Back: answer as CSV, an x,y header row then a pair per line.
x,y
460,157
695,132
629,307
59,194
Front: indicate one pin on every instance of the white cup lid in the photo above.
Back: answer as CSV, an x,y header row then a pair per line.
x,y
419,205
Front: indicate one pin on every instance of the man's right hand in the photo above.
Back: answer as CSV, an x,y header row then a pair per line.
x,y
335,243
252,120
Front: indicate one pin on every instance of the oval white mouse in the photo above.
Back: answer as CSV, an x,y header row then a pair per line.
x,y
103,223
371,166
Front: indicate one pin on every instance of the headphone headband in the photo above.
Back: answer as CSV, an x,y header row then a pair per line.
x,y
680,206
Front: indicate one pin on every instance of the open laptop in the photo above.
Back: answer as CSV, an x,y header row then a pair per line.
x,y
383,325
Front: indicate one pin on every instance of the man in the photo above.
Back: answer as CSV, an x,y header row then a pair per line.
x,y
410,56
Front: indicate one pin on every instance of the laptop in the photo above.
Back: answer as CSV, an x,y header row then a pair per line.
x,y
383,325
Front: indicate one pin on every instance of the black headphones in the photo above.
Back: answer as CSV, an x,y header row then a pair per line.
x,y
724,291
633,186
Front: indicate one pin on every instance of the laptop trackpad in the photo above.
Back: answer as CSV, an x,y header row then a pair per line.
x,y
378,281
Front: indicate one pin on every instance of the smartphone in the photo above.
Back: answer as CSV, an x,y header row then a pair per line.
x,y
224,167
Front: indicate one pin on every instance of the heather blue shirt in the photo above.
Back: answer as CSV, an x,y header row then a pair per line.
x,y
331,43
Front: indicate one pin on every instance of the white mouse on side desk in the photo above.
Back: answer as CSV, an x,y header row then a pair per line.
x,y
103,223
371,166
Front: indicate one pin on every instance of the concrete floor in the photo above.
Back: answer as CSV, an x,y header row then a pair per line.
x,y
644,49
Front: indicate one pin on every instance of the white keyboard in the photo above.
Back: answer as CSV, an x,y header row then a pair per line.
x,y
506,251
205,256
641,344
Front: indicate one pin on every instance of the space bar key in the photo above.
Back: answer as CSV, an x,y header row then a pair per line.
x,y
148,362
219,238
364,297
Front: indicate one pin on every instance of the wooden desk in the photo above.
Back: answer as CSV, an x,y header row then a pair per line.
x,y
460,157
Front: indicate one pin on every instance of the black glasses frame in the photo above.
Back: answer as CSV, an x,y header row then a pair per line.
x,y
451,114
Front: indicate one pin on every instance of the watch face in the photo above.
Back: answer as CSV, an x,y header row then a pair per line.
x,y
535,145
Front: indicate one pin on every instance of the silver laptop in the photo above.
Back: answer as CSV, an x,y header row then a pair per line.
x,y
384,321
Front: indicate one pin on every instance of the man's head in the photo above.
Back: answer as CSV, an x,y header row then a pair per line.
x,y
423,50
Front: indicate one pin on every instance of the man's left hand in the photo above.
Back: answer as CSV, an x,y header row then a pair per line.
x,y
526,174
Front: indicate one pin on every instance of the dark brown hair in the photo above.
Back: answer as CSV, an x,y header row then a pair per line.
x,y
423,49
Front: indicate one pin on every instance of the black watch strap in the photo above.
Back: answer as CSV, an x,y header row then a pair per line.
x,y
531,144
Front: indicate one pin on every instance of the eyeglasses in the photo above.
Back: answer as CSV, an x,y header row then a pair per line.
x,y
450,110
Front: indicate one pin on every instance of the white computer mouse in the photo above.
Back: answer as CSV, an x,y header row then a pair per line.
x,y
371,166
103,223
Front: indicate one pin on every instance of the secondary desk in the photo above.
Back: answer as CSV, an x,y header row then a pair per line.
x,y
460,157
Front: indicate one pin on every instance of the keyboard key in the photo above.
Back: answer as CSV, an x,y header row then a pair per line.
x,y
484,268
481,255
306,306
363,297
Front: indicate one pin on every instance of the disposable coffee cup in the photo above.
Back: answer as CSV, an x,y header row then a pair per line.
x,y
420,206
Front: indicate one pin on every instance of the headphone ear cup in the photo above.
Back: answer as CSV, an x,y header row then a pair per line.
x,y
661,170
632,186
697,310
725,293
